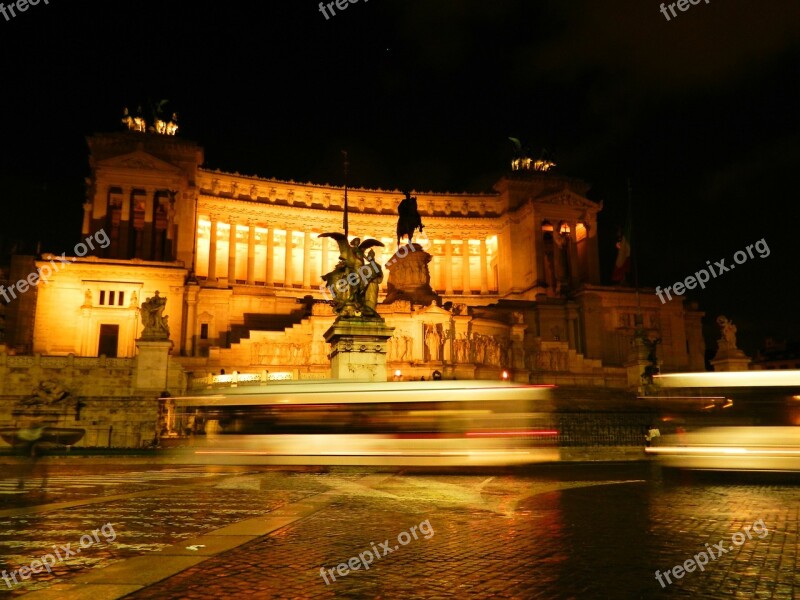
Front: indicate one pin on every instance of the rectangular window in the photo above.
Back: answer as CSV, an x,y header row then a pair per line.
x,y
204,331
102,297
111,298
121,298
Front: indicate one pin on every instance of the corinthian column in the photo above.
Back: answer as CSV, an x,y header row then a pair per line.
x,y
270,275
251,254
306,258
465,265
448,267
232,254
212,251
287,273
484,267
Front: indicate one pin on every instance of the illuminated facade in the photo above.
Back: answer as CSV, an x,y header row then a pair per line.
x,y
239,260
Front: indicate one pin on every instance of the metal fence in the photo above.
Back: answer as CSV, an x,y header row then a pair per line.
x,y
602,428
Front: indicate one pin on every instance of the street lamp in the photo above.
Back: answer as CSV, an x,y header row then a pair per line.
x,y
505,375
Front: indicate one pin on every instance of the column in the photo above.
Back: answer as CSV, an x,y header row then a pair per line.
x,y
212,251
465,266
306,259
572,254
232,254
251,254
87,218
448,267
538,252
125,224
287,273
148,228
191,317
270,275
324,257
484,267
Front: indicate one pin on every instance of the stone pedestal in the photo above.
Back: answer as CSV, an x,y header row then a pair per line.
x,y
152,363
637,364
731,360
409,276
358,349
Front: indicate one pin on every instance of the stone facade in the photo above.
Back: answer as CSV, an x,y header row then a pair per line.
x,y
515,271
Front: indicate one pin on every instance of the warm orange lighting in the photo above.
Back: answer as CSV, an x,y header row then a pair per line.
x,y
505,375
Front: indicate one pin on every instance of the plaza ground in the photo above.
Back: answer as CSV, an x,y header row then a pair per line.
x,y
575,530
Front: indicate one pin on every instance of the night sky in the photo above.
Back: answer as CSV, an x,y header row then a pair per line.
x,y
699,112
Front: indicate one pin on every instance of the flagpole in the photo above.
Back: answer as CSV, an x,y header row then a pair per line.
x,y
639,318
345,224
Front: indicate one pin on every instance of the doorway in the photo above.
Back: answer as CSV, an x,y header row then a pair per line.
x,y
109,340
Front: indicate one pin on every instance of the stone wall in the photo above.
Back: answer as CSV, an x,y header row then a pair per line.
x,y
94,394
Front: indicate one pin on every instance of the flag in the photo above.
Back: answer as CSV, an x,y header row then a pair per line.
x,y
622,266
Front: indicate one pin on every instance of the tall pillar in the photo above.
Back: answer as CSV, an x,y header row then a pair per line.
x,y
212,251
448,267
572,255
324,256
484,267
125,224
306,259
287,267
270,275
191,317
251,254
148,227
87,218
232,254
538,250
594,255
467,287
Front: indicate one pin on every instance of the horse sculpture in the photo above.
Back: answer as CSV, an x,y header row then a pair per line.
x,y
409,219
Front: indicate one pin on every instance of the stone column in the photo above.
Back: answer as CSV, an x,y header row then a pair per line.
x,y
125,224
594,254
148,228
465,266
306,258
212,251
572,254
87,218
232,254
270,275
484,267
287,267
448,267
538,248
191,316
324,257
251,254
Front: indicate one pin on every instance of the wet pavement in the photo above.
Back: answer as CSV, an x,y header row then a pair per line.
x,y
564,531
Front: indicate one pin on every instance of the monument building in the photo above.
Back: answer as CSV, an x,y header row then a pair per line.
x,y
501,282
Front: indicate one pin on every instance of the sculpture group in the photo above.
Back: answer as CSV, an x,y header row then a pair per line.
x,y
356,278
153,319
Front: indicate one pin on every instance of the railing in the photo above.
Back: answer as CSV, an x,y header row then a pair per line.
x,y
237,379
602,429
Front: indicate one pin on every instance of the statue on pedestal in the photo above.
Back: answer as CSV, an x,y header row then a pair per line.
x,y
728,331
409,219
354,282
153,320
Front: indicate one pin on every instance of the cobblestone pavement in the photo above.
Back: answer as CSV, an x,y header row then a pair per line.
x,y
569,531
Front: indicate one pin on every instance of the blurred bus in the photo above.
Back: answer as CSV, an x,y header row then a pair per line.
x,y
394,423
743,420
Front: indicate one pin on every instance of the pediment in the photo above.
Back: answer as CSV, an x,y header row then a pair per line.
x,y
139,160
568,198
435,311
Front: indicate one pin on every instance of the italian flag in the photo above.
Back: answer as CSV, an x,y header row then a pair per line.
x,y
623,264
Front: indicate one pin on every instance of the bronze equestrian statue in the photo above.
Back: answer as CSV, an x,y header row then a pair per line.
x,y
409,219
